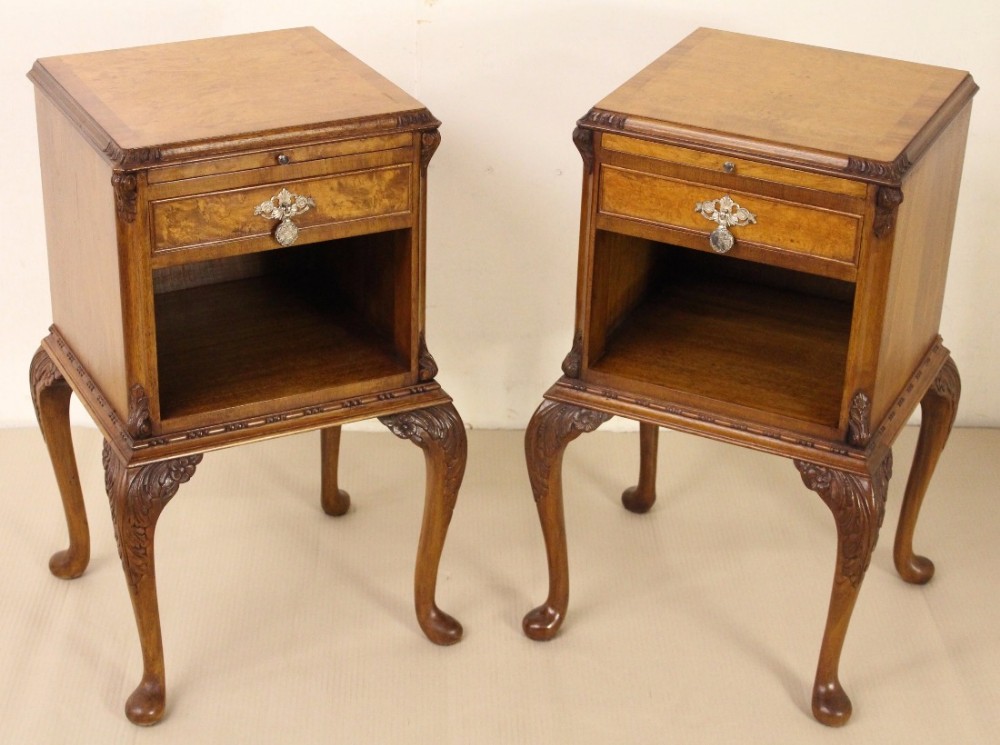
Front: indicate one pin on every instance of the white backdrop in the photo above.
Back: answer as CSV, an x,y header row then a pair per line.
x,y
508,79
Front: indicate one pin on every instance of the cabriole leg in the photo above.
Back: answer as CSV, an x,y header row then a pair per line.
x,y
552,427
858,505
439,432
335,501
640,498
51,394
938,408
138,495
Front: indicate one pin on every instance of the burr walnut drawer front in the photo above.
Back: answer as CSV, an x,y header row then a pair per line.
x,y
725,219
257,218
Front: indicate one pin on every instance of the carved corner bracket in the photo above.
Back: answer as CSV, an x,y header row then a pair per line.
x,y
887,203
427,368
859,420
573,361
858,506
140,423
125,185
137,497
584,140
429,141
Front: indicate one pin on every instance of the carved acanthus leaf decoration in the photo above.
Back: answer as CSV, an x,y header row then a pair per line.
x,y
583,138
435,428
427,368
573,361
140,424
859,424
429,142
125,185
858,506
948,385
887,203
553,425
42,373
137,497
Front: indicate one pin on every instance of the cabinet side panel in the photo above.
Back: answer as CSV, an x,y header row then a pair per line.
x,y
915,292
83,251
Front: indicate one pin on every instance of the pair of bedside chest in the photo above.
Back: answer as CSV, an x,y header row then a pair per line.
x,y
232,261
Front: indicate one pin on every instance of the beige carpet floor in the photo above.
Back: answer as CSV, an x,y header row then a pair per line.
x,y
699,622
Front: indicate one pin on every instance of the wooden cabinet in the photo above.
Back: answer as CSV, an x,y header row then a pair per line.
x,y
765,233
236,236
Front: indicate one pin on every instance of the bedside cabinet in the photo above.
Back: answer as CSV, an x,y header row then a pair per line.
x,y
764,238
236,233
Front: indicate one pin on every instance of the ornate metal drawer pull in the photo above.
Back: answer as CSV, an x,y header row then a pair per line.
x,y
728,214
283,206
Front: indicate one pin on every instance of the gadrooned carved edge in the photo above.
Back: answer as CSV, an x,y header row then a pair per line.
x,y
583,138
858,506
429,141
573,362
42,373
859,420
125,185
138,156
608,119
435,427
427,368
144,492
948,385
552,426
887,202
415,118
140,423
893,171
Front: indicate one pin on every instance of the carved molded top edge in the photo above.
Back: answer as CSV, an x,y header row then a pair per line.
x,y
847,165
154,153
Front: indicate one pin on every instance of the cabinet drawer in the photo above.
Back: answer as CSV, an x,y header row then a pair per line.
x,y
224,217
780,225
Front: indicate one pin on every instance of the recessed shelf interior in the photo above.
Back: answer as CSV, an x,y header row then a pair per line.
x,y
759,336
270,325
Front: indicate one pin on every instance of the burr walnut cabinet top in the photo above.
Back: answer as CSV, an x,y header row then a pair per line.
x,y
836,111
171,101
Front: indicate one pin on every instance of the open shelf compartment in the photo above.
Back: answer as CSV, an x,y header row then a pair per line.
x,y
331,318
670,319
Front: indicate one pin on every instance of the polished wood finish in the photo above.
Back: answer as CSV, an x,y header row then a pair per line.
x,y
938,408
439,432
815,335
640,498
894,107
181,321
334,500
792,227
167,99
857,502
138,496
552,427
51,394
